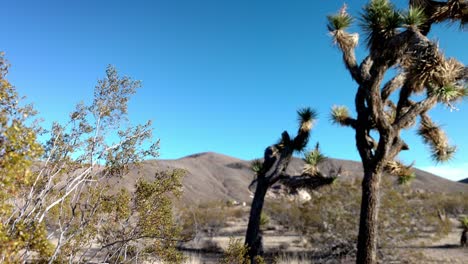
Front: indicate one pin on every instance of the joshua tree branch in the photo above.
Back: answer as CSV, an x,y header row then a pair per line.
x,y
349,58
374,99
347,44
440,11
306,181
413,111
392,85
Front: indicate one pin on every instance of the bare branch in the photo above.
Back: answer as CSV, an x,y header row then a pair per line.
x,y
392,85
306,181
413,111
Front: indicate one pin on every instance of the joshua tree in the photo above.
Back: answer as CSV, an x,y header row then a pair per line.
x,y
273,170
396,39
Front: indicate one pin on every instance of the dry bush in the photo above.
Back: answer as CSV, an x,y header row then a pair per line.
x,y
203,219
236,253
330,219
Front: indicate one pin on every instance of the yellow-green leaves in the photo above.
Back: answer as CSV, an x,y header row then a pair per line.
x,y
19,148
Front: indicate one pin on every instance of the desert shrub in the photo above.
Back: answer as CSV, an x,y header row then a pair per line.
x,y
442,227
453,204
330,218
205,218
57,200
236,253
330,214
464,222
264,220
236,212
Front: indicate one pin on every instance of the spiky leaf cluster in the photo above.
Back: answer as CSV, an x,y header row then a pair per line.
x,y
404,173
306,117
406,179
448,94
337,25
426,66
464,222
435,137
414,17
256,166
339,115
340,21
313,159
380,21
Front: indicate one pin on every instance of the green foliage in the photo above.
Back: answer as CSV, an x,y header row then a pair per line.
x,y
306,118
464,222
264,220
414,17
449,93
236,253
380,21
19,148
314,157
256,166
340,21
406,178
306,115
404,173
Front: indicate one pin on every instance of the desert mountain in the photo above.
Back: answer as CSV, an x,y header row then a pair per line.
x,y
212,176
464,180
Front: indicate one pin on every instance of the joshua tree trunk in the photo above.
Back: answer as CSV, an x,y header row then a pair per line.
x,y
254,237
367,240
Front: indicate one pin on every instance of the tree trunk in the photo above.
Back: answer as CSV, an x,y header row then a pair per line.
x,y
367,239
253,237
463,237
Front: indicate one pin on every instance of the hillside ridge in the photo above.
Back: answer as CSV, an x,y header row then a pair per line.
x,y
212,176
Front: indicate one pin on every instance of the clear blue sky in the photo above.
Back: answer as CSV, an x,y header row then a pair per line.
x,y
218,75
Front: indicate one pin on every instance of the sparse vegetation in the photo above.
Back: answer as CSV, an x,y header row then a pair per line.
x,y
204,219
329,219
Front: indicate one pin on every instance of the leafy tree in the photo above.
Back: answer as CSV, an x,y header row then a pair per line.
x,y
58,200
396,39
273,170
19,148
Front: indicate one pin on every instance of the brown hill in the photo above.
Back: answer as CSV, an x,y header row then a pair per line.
x,y
211,176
